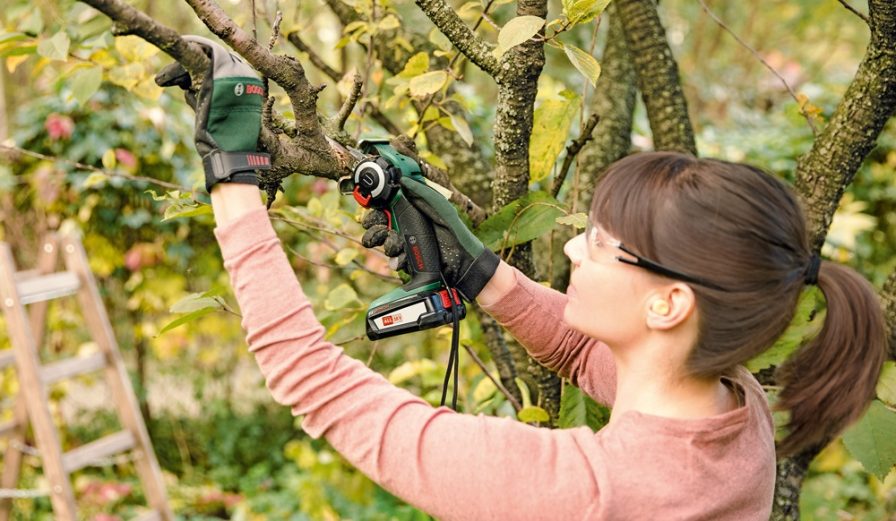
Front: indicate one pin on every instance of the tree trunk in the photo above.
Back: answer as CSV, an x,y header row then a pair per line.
x,y
614,102
888,297
657,75
837,153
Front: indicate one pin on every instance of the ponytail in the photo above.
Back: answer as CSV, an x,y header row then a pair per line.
x,y
830,381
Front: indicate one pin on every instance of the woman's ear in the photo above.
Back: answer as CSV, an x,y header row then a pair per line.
x,y
670,306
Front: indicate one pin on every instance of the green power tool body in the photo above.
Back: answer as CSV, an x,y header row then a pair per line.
x,y
425,301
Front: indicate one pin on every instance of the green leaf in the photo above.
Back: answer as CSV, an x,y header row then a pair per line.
x,y
342,297
806,323
55,48
533,414
579,410
517,31
524,391
577,220
550,128
523,220
428,83
86,82
189,317
583,11
886,385
872,440
195,302
179,211
33,24
584,62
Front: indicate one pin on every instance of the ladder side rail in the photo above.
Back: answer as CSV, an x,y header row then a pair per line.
x,y
12,458
19,327
117,376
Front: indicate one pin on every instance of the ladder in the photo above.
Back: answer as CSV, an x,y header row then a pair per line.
x,y
35,288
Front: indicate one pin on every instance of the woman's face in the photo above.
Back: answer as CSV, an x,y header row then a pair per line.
x,y
607,298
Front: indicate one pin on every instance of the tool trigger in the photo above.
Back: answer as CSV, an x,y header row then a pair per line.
x,y
361,199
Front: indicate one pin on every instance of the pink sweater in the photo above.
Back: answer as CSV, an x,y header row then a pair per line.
x,y
464,467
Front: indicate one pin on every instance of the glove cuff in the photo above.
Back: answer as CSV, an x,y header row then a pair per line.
x,y
480,271
233,167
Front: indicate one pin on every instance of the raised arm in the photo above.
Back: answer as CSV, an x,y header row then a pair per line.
x,y
451,465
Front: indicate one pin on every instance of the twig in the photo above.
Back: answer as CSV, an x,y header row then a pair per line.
x,y
572,151
861,15
335,75
275,30
516,405
12,151
315,58
482,16
762,60
350,102
254,22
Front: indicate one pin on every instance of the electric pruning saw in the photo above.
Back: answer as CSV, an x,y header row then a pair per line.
x,y
425,301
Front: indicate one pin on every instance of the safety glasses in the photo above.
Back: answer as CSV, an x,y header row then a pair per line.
x,y
591,234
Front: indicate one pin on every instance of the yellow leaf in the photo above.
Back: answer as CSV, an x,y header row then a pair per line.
x,y
109,159
427,84
135,49
127,75
388,23
584,62
148,89
12,62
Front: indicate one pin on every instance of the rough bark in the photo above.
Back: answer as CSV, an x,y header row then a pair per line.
x,y
837,153
888,297
657,74
501,355
825,172
614,101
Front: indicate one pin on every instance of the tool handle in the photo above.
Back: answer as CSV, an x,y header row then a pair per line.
x,y
420,243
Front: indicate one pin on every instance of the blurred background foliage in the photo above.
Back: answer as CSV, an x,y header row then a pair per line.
x,y
75,94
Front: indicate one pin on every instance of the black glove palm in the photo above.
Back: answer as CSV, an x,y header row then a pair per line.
x,y
466,263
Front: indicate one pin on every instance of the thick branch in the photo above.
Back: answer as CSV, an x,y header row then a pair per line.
x,y
614,100
657,75
446,20
168,40
836,155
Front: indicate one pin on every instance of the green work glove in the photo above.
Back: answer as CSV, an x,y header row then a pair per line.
x,y
466,263
228,114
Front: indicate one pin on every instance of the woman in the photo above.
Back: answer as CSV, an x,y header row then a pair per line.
x,y
688,268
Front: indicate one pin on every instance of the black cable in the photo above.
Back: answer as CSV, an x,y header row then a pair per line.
x,y
454,354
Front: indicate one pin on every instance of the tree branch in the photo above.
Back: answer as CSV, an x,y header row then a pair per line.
x,y
446,20
513,401
658,77
572,150
335,75
854,11
168,40
12,153
350,103
826,170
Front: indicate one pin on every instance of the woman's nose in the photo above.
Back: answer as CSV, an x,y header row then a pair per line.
x,y
574,249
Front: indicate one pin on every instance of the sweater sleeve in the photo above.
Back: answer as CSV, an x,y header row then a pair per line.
x,y
450,465
533,314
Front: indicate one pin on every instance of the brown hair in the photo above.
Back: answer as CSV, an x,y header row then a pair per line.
x,y
742,229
